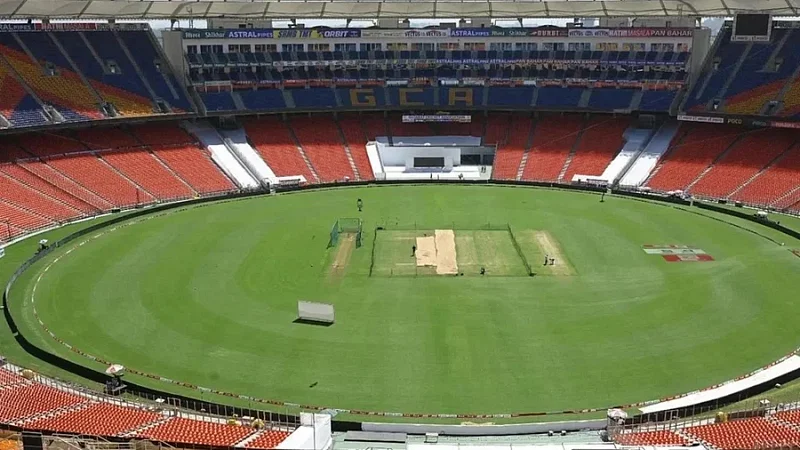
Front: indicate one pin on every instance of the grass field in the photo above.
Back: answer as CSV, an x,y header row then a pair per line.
x,y
207,295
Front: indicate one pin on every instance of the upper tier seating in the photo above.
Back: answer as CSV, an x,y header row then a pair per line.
x,y
142,47
64,89
688,157
275,144
319,136
657,100
766,69
122,87
16,105
553,139
356,141
747,157
510,134
600,142
610,99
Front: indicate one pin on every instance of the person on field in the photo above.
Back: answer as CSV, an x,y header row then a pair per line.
x,y
413,250
360,204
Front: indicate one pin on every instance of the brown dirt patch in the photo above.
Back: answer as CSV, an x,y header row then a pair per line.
x,y
426,251
347,242
550,247
446,252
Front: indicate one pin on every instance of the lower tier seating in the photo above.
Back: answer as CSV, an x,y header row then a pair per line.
x,y
319,137
357,143
91,172
511,144
599,143
32,399
185,431
194,166
145,170
686,159
746,434
19,173
61,181
17,221
268,439
747,157
18,194
661,437
97,419
775,182
553,139
275,144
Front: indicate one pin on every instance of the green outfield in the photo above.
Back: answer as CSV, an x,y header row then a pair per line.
x,y
207,295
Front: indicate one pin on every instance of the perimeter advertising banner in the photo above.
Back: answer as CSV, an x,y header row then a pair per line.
x,y
631,32
447,33
273,34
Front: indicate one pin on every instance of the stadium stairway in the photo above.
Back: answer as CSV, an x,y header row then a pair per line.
x,y
641,168
237,139
223,155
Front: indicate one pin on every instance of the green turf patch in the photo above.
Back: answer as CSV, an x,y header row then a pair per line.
x,y
190,295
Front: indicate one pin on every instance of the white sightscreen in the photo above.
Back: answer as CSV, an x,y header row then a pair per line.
x,y
316,312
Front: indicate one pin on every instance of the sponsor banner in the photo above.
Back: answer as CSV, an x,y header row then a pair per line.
x,y
405,33
776,124
630,32
16,27
66,26
416,118
702,119
204,34
470,32
62,26
296,33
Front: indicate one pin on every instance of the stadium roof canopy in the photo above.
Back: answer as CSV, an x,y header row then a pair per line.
x,y
384,9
